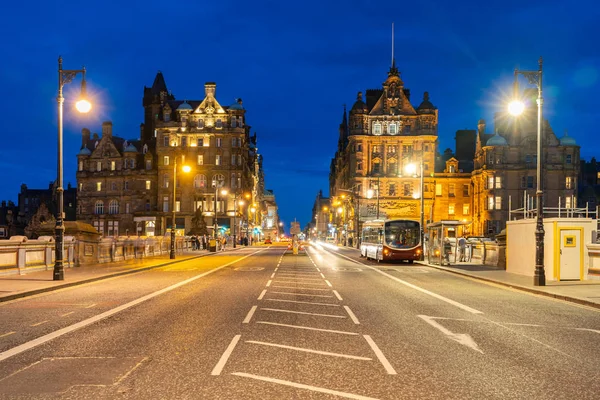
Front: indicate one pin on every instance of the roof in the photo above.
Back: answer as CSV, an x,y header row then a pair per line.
x,y
496,140
567,140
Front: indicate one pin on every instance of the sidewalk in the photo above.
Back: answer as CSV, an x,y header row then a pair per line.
x,y
17,286
581,292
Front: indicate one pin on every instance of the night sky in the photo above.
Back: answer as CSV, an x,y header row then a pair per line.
x,y
294,64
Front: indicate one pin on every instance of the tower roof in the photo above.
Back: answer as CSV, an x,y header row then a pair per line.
x,y
159,84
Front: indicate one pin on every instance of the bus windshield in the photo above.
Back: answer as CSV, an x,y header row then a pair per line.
x,y
402,234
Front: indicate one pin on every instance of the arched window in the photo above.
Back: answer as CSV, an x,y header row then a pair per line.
x,y
113,207
99,209
218,180
199,181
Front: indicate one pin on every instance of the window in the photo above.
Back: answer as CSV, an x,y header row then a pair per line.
x,y
200,142
166,180
358,147
98,186
391,149
233,180
218,179
113,165
233,159
490,182
147,205
147,185
197,205
359,165
568,182
99,166
200,124
217,159
81,187
490,204
113,186
528,158
177,206
166,204
498,204
375,149
148,164
233,122
465,209
99,208
376,167
113,207
80,167
450,209
166,117
218,142
530,182
569,159
376,128
392,189
132,163
438,189
219,124
393,129
406,189
127,208
451,190
498,182
184,141
199,181
239,159
113,228
236,142
465,190
166,160
166,140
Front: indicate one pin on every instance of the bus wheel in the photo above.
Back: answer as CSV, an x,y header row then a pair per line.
x,y
410,261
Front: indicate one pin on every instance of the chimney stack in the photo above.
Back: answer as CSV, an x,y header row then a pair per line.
x,y
107,129
85,137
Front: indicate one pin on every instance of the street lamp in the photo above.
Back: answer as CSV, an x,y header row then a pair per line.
x,y
411,169
515,108
374,192
253,211
83,105
223,193
185,168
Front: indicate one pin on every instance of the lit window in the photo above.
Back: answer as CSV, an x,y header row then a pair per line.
x,y
393,129
199,181
147,185
166,160
99,166
451,190
438,189
490,202
217,159
80,166
127,208
113,165
98,186
498,205
465,209
184,141
568,182
498,182
450,209
200,124
177,206
200,159
376,128
465,190
218,142
81,187
490,182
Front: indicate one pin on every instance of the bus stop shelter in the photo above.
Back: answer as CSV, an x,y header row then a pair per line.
x,y
441,243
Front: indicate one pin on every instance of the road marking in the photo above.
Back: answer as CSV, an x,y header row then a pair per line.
x,y
337,295
318,268
303,386
386,364
91,305
223,360
462,338
262,294
277,267
39,323
53,335
269,283
322,276
299,288
273,275
308,328
326,353
69,313
589,330
299,276
328,283
304,294
298,283
303,313
420,289
7,334
303,302
352,316
250,314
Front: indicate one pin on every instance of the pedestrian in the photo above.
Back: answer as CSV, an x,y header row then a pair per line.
x,y
462,247
223,243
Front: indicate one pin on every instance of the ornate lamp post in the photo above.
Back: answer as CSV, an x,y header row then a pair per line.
x,y
516,108
185,168
84,106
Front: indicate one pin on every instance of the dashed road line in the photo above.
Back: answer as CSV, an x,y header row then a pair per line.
x,y
297,283
39,323
303,294
328,283
303,313
262,294
386,364
91,305
352,316
322,276
223,360
273,275
69,313
299,288
337,295
326,353
303,386
249,316
7,334
269,283
305,302
310,328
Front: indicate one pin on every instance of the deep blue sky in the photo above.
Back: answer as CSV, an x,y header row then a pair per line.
x,y
294,64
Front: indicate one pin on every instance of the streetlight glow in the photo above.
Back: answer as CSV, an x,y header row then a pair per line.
x,y
411,169
83,106
186,168
516,107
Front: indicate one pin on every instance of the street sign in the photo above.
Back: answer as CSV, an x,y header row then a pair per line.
x,y
295,229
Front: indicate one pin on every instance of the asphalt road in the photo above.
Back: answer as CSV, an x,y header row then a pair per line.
x,y
263,323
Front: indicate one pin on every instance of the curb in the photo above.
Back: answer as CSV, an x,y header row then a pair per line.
x,y
517,287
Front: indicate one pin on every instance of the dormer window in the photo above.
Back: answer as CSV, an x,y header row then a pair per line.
x,y
167,117
393,128
200,123
99,166
219,124
377,128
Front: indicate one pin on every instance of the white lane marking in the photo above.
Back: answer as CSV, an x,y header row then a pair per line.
x,y
303,313
303,386
420,289
318,268
249,316
223,360
69,313
303,294
299,277
298,283
352,316
7,334
326,353
462,338
328,283
91,305
308,328
39,323
337,295
386,364
276,268
269,283
53,335
322,276
262,294
303,302
516,324
273,275
299,288
589,330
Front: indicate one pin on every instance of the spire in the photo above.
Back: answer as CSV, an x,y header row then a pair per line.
x,y
159,84
393,70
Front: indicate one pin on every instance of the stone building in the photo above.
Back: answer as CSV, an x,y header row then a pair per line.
x,y
127,186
